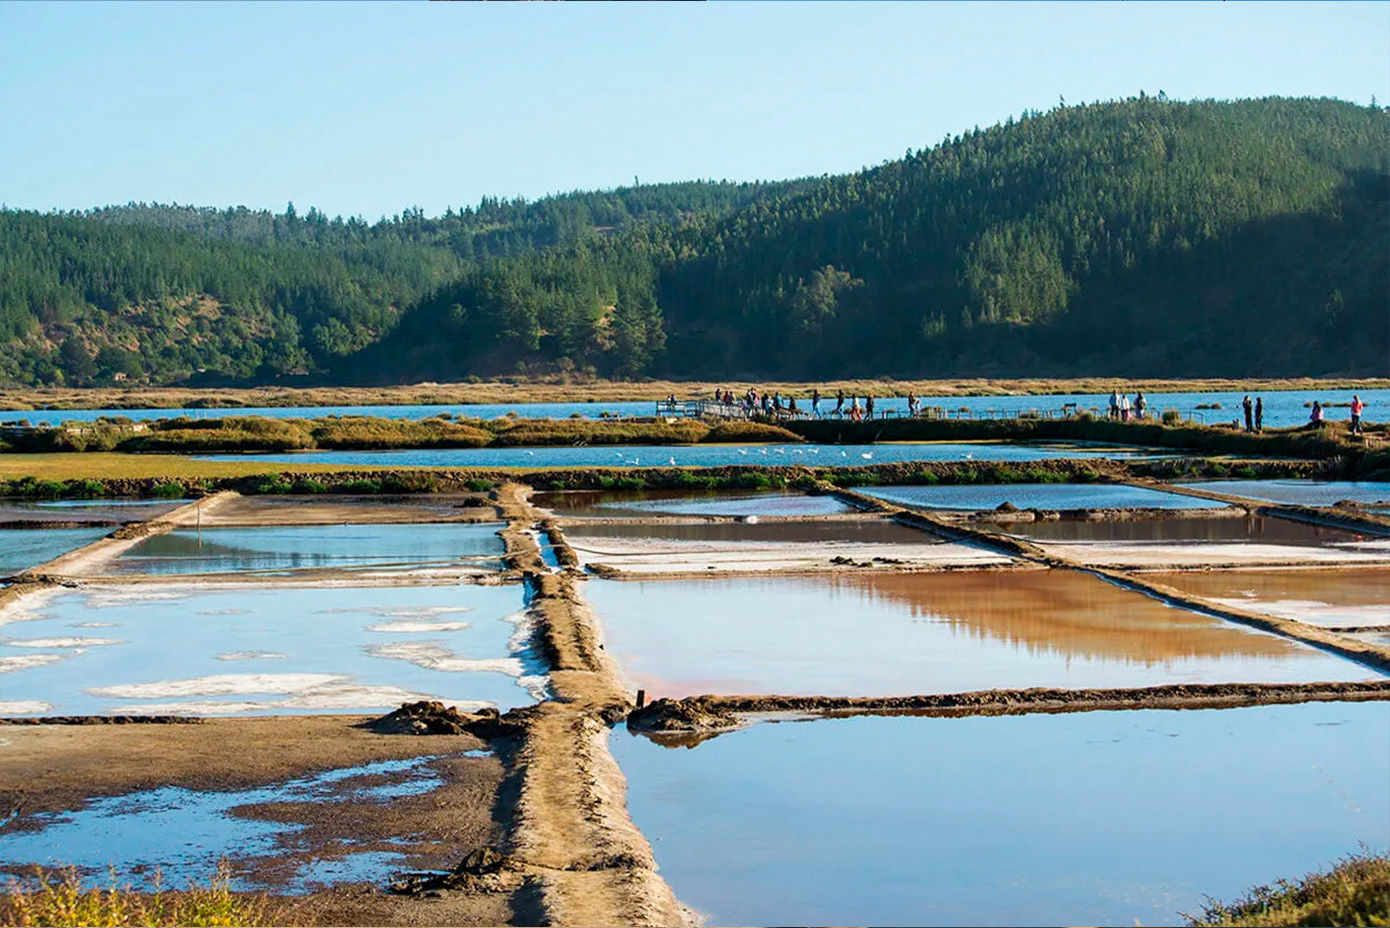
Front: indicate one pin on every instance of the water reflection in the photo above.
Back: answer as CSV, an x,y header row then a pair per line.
x,y
1321,596
214,550
285,650
22,548
636,504
1301,492
185,832
848,531
1096,818
1264,530
887,634
1037,496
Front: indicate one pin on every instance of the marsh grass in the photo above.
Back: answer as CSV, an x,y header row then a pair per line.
x,y
1354,892
60,897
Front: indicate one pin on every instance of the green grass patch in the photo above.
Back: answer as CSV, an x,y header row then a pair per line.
x,y
1354,892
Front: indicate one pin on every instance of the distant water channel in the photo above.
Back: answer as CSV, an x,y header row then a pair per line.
x,y
1282,408
1095,818
714,455
1037,496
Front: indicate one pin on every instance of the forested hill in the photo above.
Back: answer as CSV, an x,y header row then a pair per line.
x,y
1143,237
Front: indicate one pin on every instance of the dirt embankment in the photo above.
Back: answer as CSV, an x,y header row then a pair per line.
x,y
713,714
585,862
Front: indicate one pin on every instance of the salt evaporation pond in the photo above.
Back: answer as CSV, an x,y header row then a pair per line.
x,y
638,504
1185,541
975,497
22,548
1282,408
183,833
1093,818
86,510
711,455
812,544
243,650
1322,596
1300,492
903,633
281,548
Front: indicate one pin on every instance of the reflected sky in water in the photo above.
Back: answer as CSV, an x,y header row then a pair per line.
x,y
22,548
217,550
1096,818
1037,496
900,634
1320,596
248,651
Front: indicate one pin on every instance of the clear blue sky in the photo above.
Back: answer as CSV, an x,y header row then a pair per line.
x,y
365,108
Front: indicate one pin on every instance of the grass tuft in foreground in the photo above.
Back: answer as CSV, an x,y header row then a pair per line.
x,y
60,898
1355,892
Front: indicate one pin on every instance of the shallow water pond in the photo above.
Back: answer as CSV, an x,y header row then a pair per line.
x,y
86,510
1036,496
1095,818
637,504
899,634
183,833
712,455
241,650
1300,492
1268,530
22,548
1319,596
296,547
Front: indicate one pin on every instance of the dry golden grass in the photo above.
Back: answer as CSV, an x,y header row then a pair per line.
x,y
1355,892
556,391
60,898
110,465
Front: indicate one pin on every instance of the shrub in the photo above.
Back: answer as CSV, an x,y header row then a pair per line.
x,y
306,486
1171,417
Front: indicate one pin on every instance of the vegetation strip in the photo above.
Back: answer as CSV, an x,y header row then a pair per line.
x,y
714,713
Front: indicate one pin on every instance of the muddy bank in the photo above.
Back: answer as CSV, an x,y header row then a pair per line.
x,y
583,860
711,714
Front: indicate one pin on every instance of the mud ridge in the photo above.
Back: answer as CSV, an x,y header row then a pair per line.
x,y
583,860
705,714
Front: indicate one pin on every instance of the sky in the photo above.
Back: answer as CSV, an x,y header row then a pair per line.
x,y
369,108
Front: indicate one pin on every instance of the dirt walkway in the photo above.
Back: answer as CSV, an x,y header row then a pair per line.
x,y
584,858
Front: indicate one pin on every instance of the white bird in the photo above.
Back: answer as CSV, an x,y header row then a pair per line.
x,y
813,451
780,450
866,455
530,452
763,450
743,451
672,462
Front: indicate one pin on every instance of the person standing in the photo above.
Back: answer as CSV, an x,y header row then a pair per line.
x,y
869,406
1249,408
839,401
1114,404
1140,404
1356,408
1259,413
1124,407
1315,417
815,402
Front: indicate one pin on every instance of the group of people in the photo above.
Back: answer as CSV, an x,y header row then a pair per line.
x,y
776,405
1122,409
1316,417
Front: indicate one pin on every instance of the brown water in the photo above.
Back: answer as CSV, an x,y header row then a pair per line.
x,y
1261,529
1320,596
896,634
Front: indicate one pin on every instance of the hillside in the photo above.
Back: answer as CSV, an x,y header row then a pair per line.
x,y
1143,237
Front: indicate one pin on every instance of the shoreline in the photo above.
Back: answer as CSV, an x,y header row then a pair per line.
x,y
23,399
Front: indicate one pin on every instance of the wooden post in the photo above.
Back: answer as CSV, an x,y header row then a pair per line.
x,y
641,698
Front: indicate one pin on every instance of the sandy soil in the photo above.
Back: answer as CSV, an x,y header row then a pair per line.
x,y
49,768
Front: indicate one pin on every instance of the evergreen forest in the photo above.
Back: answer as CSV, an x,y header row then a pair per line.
x,y
1143,237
